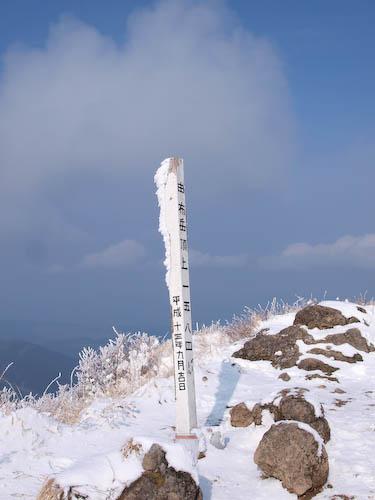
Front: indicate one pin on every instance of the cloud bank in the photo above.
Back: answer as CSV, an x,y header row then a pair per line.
x,y
348,251
200,259
188,81
124,253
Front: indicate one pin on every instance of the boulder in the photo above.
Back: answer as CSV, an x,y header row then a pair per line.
x,y
322,317
241,416
291,454
310,364
353,337
293,407
337,355
281,349
160,481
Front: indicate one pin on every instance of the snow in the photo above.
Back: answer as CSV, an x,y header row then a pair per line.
x,y
88,454
160,179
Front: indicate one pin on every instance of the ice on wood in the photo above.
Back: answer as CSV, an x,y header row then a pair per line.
x,y
160,179
170,184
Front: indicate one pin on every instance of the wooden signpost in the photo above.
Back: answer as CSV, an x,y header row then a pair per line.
x,y
173,226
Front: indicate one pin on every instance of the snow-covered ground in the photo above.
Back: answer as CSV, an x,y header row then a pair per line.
x,y
88,454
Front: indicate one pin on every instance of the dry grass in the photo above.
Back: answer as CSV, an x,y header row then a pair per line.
x,y
51,491
131,447
363,300
248,323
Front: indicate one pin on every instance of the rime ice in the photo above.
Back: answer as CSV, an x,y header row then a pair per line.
x,y
160,179
173,226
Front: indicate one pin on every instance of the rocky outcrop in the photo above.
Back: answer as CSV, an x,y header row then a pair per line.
x,y
292,450
322,317
310,364
353,337
337,355
292,455
281,349
160,481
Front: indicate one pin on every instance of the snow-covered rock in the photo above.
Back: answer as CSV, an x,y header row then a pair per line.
x,y
293,453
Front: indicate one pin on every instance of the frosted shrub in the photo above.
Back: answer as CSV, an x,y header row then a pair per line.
x,y
89,372
8,400
118,367
65,405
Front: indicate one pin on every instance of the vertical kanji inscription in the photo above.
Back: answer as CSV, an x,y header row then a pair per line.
x,y
179,290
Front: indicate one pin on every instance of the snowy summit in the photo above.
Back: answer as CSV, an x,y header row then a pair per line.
x,y
308,374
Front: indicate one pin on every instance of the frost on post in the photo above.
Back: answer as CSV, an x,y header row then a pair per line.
x,y
170,184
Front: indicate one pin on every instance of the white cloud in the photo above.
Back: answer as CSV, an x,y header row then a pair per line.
x,y
199,259
82,114
348,251
186,83
125,253
55,269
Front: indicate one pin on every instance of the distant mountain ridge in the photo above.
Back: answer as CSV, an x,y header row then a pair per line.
x,y
34,366
66,338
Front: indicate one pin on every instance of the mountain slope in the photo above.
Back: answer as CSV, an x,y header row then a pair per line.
x,y
34,367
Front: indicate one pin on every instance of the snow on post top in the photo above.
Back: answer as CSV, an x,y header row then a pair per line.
x,y
160,179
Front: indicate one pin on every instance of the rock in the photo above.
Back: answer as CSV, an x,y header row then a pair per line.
x,y
316,375
337,355
153,458
265,347
361,309
353,337
290,454
310,364
257,414
322,317
292,407
284,376
241,416
160,481
322,428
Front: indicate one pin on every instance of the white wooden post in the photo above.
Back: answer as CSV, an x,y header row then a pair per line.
x,y
173,225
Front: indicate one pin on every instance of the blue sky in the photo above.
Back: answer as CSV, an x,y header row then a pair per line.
x,y
270,104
